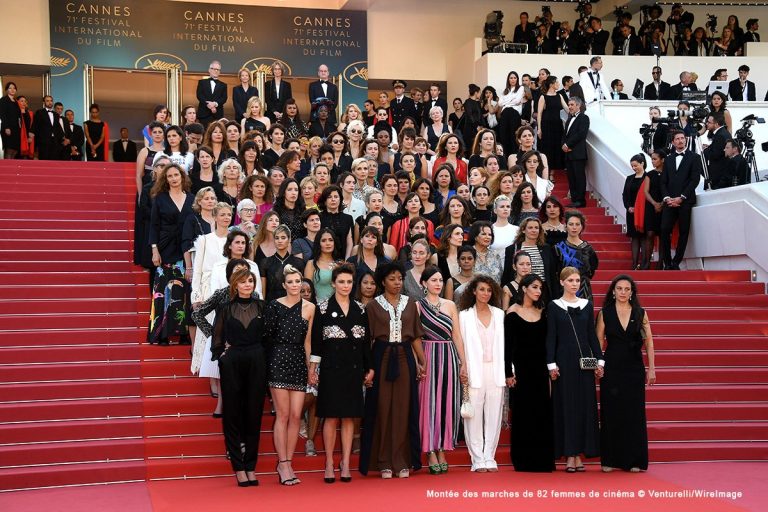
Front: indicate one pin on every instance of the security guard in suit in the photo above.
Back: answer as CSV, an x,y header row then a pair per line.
x,y
401,106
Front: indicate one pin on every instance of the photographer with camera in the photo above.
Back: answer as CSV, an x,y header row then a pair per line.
x,y
655,133
653,20
680,18
683,122
596,38
584,8
714,152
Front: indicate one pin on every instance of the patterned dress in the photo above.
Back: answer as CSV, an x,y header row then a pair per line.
x,y
286,330
440,391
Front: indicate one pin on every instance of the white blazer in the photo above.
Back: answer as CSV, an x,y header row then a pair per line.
x,y
473,347
589,89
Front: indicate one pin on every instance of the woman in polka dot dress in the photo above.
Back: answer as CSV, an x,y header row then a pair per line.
x,y
288,320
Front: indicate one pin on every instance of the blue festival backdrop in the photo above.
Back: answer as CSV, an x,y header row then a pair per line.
x,y
157,35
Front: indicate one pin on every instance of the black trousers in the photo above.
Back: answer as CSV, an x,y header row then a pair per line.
x,y
669,217
577,179
243,386
509,122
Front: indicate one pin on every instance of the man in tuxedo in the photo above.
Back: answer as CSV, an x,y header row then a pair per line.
x,y
742,89
751,35
575,149
617,37
74,136
48,131
434,100
714,153
124,149
212,95
685,85
657,89
592,82
323,88
629,44
682,172
617,90
738,170
417,95
598,38
401,106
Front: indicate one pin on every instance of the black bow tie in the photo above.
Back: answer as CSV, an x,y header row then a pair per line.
x,y
680,155
212,79
323,81
49,111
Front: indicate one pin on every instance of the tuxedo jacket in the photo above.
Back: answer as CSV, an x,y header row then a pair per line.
x,y
48,137
676,91
751,37
428,105
276,101
635,46
715,154
588,86
124,155
681,181
76,137
316,91
738,169
204,93
737,93
599,41
576,137
650,91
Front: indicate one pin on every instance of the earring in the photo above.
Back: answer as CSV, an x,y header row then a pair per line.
x,y
425,291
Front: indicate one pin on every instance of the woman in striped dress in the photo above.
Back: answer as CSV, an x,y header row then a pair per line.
x,y
439,392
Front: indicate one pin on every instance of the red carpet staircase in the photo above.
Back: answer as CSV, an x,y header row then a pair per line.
x,y
83,400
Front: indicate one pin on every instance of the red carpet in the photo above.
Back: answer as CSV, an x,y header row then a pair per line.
x,y
82,400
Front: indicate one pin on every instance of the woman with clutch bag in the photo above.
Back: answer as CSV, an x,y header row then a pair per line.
x,y
482,329
574,359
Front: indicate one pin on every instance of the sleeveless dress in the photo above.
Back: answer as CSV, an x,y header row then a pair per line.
x,y
322,281
551,143
286,331
652,218
254,124
623,432
440,391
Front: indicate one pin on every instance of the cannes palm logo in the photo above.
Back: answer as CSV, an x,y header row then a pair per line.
x,y
62,62
160,62
264,65
356,74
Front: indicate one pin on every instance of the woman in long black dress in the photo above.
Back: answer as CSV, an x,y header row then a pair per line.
x,y
550,124
238,345
570,336
525,354
96,136
341,348
287,324
10,119
172,203
623,432
653,205
632,186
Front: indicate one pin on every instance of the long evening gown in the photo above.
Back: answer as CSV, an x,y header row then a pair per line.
x,y
551,143
623,433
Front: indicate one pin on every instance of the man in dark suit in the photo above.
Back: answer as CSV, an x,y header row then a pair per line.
x,y
738,170
575,149
276,93
323,88
434,100
525,33
74,138
212,95
598,38
629,44
617,90
742,89
751,35
685,85
48,131
401,106
714,152
682,172
124,149
657,89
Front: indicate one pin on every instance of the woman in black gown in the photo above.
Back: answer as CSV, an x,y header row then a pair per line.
x,y
632,186
525,354
570,336
341,348
238,345
653,205
550,124
623,432
10,119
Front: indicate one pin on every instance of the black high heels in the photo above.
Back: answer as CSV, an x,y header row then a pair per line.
x,y
345,479
246,483
329,480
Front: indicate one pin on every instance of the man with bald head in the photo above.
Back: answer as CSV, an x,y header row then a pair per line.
x,y
324,88
686,84
211,95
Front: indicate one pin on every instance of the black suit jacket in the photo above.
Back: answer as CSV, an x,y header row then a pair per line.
x,y
751,37
737,172
576,137
76,137
682,181
48,137
219,95
275,102
316,91
526,36
737,94
635,46
599,42
399,111
676,91
650,91
240,99
128,155
715,156
428,105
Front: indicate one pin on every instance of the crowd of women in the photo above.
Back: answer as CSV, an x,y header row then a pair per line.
x,y
358,284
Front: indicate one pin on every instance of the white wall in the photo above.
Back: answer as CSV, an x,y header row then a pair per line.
x,y
26,36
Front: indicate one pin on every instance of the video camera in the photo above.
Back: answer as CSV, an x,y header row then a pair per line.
x,y
744,134
581,7
711,23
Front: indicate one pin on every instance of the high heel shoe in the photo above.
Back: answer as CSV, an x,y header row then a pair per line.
x,y
345,479
443,467
246,483
287,481
331,479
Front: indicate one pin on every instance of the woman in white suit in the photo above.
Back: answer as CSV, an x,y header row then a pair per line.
x,y
482,328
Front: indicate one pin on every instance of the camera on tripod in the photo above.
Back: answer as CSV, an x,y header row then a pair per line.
x,y
581,7
744,134
619,11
